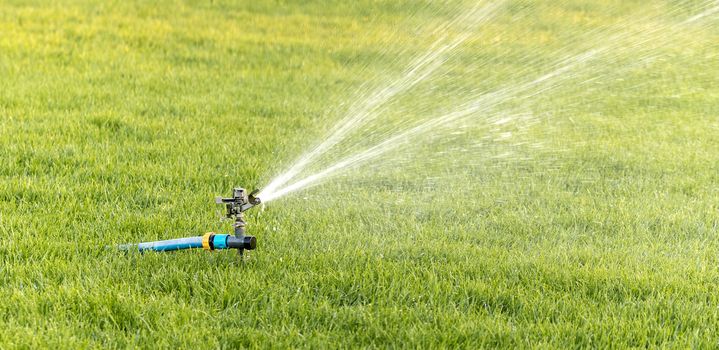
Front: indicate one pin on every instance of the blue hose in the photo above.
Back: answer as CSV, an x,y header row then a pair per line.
x,y
172,244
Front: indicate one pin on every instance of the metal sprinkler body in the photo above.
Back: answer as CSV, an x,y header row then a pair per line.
x,y
236,206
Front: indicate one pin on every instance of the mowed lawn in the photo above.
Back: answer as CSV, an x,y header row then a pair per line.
x,y
120,121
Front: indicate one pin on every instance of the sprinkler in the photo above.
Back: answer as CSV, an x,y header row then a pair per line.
x,y
236,206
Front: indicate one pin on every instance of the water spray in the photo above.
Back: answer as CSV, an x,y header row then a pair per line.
x,y
236,205
355,141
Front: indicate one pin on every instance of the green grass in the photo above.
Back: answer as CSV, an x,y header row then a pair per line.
x,y
120,121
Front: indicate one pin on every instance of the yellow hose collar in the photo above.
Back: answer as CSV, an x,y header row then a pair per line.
x,y
206,240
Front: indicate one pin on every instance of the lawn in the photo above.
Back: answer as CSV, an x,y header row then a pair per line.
x,y
120,121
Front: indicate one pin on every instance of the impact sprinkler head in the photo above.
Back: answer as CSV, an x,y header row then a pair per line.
x,y
236,205
239,202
